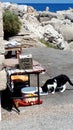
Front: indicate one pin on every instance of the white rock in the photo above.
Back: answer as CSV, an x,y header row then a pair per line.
x,y
53,36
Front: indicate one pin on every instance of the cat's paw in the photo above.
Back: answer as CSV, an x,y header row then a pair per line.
x,y
62,91
53,92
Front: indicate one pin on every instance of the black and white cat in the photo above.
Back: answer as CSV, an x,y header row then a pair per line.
x,y
57,83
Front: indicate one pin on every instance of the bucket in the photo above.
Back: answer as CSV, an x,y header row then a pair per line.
x,y
28,93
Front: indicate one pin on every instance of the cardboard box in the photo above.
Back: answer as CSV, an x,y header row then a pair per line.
x,y
25,61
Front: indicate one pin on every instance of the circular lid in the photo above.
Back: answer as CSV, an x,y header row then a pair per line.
x,y
28,90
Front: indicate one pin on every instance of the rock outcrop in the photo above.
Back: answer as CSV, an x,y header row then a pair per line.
x,y
51,35
55,27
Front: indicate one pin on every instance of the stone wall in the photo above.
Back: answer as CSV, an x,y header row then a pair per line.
x,y
1,23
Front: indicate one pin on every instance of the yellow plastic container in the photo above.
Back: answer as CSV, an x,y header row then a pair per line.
x,y
19,78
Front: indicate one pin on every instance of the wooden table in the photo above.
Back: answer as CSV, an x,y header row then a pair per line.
x,y
37,69
17,50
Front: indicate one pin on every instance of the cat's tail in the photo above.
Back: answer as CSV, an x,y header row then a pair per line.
x,y
70,82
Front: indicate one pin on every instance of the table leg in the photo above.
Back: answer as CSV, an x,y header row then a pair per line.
x,y
29,79
38,88
17,53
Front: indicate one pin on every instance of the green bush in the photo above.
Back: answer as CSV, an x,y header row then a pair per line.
x,y
11,24
48,44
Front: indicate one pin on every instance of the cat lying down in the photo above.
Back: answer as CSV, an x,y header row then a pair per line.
x,y
57,83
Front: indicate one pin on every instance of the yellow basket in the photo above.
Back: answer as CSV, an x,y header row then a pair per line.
x,y
19,78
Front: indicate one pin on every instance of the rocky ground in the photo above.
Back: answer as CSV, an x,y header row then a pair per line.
x,y
56,111
56,28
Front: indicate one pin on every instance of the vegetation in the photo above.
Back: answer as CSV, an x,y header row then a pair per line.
x,y
48,44
11,24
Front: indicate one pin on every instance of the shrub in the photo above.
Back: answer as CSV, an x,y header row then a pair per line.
x,y
48,44
11,24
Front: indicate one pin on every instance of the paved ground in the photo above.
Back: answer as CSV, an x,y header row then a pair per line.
x,y
56,112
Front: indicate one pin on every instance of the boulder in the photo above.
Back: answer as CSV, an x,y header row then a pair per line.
x,y
69,16
3,79
65,27
51,35
46,16
67,32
